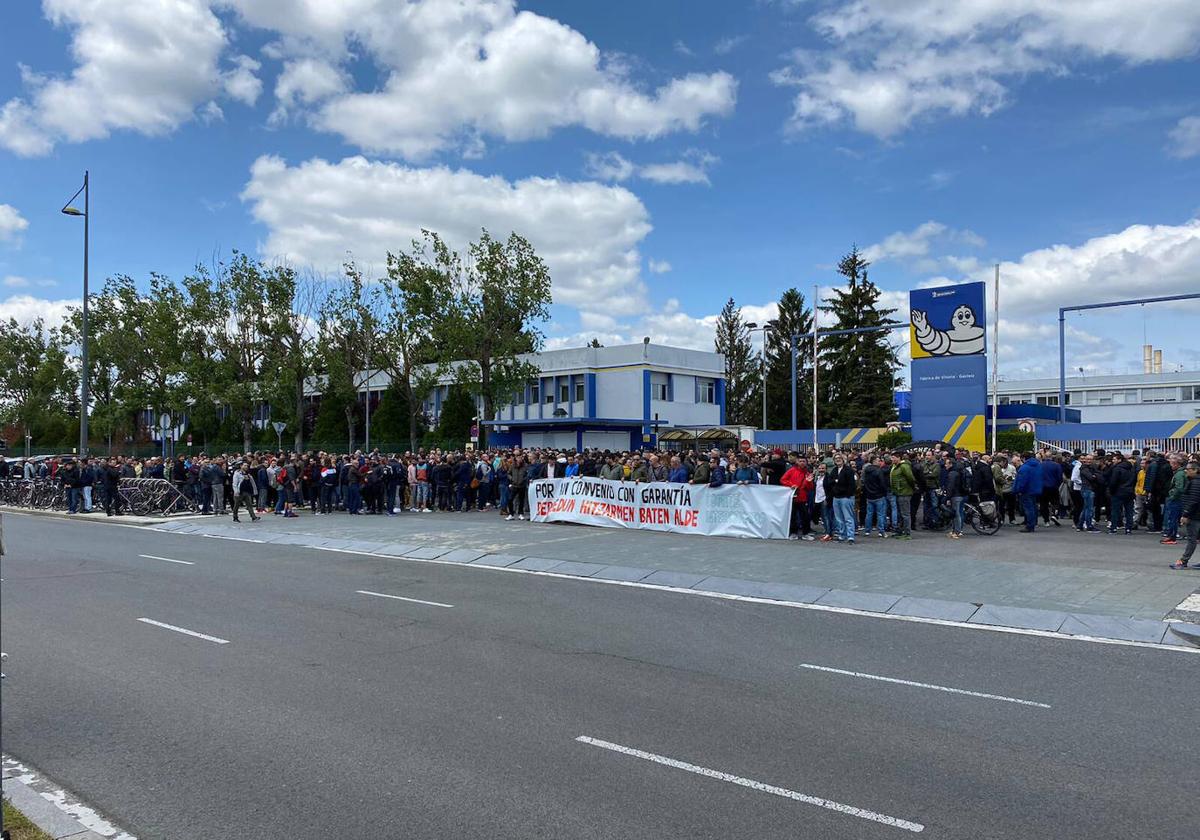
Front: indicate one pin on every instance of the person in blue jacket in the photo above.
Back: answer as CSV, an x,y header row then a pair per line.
x,y
716,474
1028,488
1052,476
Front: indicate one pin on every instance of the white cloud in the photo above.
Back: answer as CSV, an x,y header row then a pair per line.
x,y
12,281
240,83
455,70
683,49
728,44
140,66
891,62
659,266
27,308
1141,259
1185,138
610,166
691,168
12,224
305,82
913,247
588,233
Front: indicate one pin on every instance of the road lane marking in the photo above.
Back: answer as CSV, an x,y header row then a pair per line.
x,y
945,688
167,559
723,596
184,630
399,598
820,802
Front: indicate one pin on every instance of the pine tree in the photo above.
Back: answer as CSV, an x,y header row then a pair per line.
x,y
795,318
457,415
858,372
741,366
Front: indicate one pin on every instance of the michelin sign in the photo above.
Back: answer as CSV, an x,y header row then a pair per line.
x,y
948,340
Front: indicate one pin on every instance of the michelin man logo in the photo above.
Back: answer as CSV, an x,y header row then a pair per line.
x,y
964,338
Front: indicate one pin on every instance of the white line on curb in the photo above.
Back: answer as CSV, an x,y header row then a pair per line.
x,y
184,630
65,801
964,691
167,559
1190,604
850,810
399,598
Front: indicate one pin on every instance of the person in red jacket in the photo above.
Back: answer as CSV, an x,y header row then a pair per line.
x,y
800,479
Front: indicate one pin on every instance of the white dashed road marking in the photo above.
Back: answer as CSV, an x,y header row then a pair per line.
x,y
963,691
167,559
399,598
185,631
820,802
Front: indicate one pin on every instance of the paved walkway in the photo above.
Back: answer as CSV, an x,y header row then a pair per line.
x,y
1059,571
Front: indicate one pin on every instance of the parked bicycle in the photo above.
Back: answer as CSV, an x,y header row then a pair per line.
x,y
982,515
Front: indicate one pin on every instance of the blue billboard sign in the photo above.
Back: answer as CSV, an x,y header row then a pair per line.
x,y
948,340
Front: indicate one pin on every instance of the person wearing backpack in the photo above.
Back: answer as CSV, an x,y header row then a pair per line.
x,y
244,491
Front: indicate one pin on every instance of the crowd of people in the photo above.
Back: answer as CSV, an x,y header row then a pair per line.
x,y
839,494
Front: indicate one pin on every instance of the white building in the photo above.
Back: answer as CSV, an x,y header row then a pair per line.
x,y
607,397
1132,397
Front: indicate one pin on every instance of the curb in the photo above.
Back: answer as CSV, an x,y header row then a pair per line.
x,y
97,515
54,810
1174,635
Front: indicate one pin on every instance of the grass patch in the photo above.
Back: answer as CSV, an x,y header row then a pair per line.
x,y
19,826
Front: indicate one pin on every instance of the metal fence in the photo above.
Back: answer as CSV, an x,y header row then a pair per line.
x,y
1125,445
141,496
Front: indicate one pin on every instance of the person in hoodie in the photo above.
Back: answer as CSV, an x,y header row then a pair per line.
x,y
1122,483
1028,488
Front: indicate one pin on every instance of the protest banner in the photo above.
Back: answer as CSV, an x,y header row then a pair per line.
x,y
730,510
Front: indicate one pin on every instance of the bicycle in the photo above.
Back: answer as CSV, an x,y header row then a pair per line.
x,y
983,516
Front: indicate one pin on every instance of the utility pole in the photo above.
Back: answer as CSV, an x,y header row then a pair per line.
x,y
996,357
816,313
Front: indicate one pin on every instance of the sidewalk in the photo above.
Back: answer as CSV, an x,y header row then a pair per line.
x,y
1057,579
52,809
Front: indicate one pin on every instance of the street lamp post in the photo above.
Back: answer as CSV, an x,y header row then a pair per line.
x,y
765,328
83,375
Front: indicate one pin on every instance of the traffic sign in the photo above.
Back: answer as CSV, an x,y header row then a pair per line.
x,y
164,421
279,426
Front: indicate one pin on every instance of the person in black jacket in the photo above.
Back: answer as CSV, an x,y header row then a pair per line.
x,y
956,492
1190,516
110,480
1122,482
875,489
841,488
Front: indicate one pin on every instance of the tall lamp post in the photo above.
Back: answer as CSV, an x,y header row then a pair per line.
x,y
765,328
83,375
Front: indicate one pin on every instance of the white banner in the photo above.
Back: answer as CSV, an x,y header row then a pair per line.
x,y
730,511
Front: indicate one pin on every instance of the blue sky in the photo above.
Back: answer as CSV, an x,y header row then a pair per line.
x,y
662,156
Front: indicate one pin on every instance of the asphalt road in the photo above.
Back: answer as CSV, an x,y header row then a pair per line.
x,y
331,713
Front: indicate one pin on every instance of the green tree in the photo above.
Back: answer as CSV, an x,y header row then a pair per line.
x,y
413,300
233,306
742,368
390,422
348,330
502,294
595,342
36,381
858,370
291,355
795,318
458,414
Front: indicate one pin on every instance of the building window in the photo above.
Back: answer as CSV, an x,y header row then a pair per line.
x,y
660,387
1048,399
534,393
578,389
708,391
548,393
1157,395
564,390
1192,392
